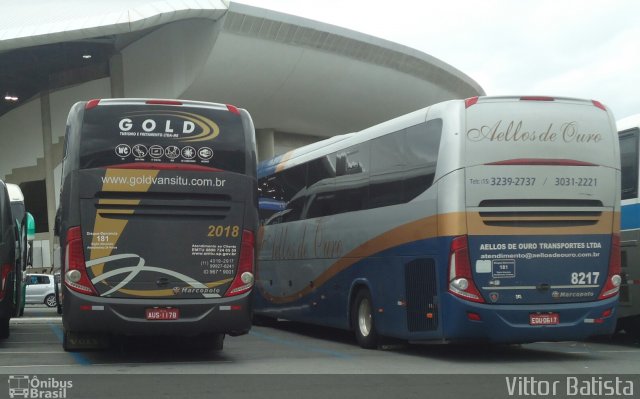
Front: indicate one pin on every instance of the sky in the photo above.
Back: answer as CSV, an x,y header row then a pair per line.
x,y
572,48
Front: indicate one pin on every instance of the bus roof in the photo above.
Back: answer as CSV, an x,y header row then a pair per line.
x,y
157,101
628,122
335,143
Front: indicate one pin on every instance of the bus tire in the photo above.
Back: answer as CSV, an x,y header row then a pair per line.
x,y
362,320
211,342
263,321
4,328
632,326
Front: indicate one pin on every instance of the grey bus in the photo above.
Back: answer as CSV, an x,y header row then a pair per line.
x,y
157,221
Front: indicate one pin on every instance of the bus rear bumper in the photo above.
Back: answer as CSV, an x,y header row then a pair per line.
x,y
511,324
89,314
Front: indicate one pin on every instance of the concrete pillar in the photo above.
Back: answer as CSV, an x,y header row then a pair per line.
x,y
266,143
45,111
116,73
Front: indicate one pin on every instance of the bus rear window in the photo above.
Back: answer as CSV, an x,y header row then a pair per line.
x,y
123,134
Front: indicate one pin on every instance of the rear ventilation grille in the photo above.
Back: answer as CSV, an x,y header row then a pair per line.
x,y
124,205
541,213
420,282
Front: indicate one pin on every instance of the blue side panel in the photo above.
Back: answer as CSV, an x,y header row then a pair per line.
x,y
384,275
630,217
271,204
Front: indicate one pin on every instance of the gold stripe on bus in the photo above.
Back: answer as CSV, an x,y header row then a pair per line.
x,y
168,291
445,225
210,129
108,225
450,224
287,156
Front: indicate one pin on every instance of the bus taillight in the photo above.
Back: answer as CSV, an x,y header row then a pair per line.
x,y
4,275
244,276
612,284
76,277
233,109
460,278
91,104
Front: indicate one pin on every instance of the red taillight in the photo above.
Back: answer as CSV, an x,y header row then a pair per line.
x,y
233,109
460,278
163,102
4,275
612,284
243,281
473,316
75,276
92,103
599,105
470,101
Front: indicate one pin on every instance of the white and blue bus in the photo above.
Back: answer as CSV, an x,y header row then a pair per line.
x,y
629,309
488,219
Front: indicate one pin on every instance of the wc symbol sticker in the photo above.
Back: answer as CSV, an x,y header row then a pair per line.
x,y
123,150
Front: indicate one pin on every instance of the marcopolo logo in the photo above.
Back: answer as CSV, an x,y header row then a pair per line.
x,y
23,386
184,126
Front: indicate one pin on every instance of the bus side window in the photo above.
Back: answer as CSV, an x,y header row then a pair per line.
x,y
387,170
271,198
423,145
629,163
287,188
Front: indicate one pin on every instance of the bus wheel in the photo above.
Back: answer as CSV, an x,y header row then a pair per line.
x,y
263,321
210,342
4,328
632,326
362,320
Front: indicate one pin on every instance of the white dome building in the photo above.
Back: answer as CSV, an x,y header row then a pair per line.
x,y
301,80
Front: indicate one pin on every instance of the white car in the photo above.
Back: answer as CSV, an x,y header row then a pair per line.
x,y
41,289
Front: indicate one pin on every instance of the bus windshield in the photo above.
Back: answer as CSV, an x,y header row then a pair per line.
x,y
118,135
